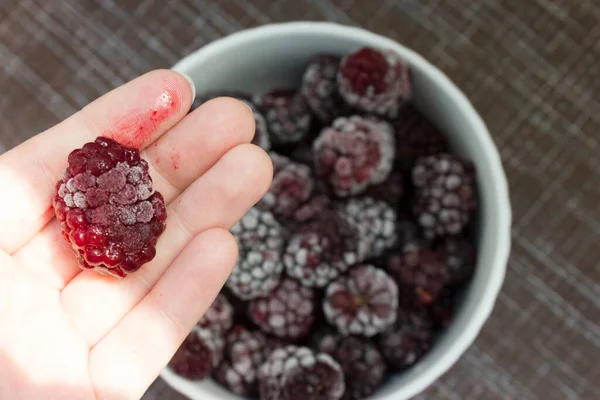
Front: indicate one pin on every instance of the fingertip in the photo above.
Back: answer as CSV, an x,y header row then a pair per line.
x,y
256,164
235,116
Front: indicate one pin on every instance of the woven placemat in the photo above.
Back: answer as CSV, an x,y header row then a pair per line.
x,y
531,69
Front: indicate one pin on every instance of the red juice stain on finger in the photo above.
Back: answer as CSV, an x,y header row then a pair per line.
x,y
175,156
137,127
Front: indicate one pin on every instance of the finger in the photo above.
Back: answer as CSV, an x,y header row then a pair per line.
x,y
144,341
174,162
216,200
134,114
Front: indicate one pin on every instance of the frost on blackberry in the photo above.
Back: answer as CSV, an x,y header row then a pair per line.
x,y
219,316
292,185
320,250
198,355
375,81
260,242
287,312
353,153
287,114
319,88
445,194
108,209
375,222
245,351
297,373
362,302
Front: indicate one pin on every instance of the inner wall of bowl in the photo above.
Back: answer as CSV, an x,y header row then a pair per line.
x,y
279,60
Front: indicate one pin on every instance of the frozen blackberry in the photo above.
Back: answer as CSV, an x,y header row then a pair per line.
x,y
362,302
416,137
319,88
107,207
391,190
363,365
315,207
287,312
375,222
292,185
320,250
441,311
260,242
287,114
374,81
460,258
219,316
353,153
421,272
245,351
199,354
445,194
409,339
297,373
261,133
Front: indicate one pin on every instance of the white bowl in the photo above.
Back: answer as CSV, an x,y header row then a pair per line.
x,y
274,56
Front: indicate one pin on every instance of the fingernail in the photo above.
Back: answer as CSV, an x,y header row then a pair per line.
x,y
192,85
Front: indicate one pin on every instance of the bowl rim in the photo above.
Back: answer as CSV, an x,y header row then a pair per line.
x,y
496,171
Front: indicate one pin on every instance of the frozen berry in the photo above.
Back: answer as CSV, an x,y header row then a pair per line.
x,y
391,190
374,81
297,373
199,354
362,302
219,316
320,250
407,340
107,207
287,114
416,137
261,133
292,185
460,258
353,153
445,194
441,311
287,312
420,271
319,88
245,351
313,208
363,365
375,222
259,266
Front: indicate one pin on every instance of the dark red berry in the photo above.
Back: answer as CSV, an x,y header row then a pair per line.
x,y
198,355
408,340
292,185
445,194
353,153
320,250
375,222
312,209
219,316
441,311
287,114
109,211
363,365
297,373
374,81
416,137
319,88
420,272
245,351
362,302
287,312
460,258
259,266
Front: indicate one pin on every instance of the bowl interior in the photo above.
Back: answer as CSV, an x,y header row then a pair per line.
x,y
275,56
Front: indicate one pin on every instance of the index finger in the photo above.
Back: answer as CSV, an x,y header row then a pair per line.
x,y
135,115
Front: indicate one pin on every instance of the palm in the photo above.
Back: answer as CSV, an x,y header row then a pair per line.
x,y
78,335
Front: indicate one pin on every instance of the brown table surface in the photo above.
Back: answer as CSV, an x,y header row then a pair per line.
x,y
529,66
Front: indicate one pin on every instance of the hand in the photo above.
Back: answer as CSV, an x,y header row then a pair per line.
x,y
69,334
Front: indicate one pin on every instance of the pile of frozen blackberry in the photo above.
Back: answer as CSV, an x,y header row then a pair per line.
x,y
349,266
